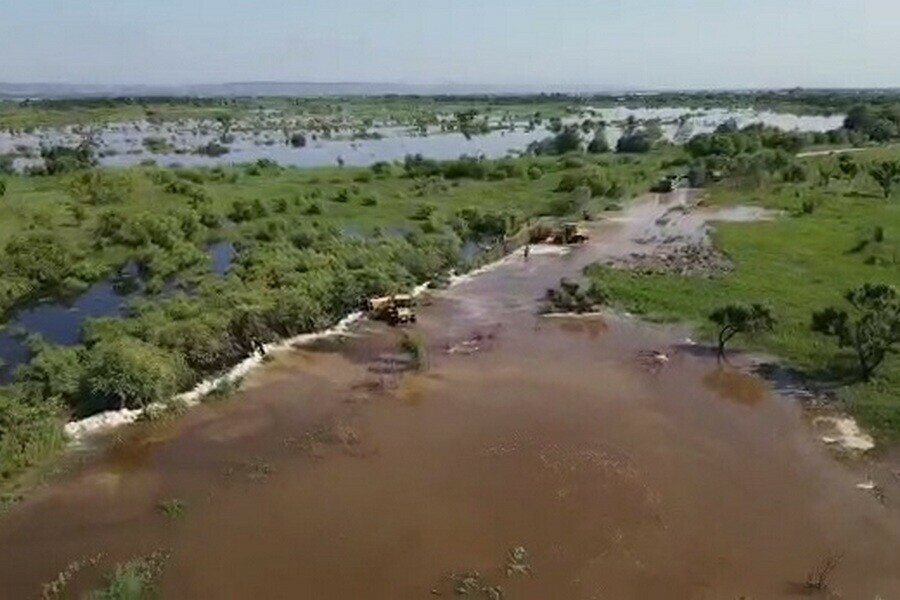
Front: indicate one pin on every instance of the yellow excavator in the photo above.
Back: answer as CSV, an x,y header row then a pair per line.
x,y
395,310
569,233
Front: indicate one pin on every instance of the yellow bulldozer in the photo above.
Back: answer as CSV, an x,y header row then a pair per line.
x,y
568,233
395,310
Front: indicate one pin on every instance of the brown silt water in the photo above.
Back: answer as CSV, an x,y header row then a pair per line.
x,y
547,457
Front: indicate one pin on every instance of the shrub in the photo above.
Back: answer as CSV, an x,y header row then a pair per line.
x,y
29,432
297,140
571,296
64,159
127,372
634,143
100,188
212,149
871,329
741,318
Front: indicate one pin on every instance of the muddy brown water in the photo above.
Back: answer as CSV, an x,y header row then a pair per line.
x,y
330,477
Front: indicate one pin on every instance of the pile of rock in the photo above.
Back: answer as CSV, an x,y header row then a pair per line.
x,y
696,260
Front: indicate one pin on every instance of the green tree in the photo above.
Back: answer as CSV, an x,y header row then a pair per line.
x,y
41,258
849,167
53,372
225,121
885,173
599,145
637,142
859,118
871,329
99,188
739,317
297,140
63,159
127,372
827,172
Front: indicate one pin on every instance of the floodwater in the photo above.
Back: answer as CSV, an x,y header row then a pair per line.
x,y
61,322
332,476
121,144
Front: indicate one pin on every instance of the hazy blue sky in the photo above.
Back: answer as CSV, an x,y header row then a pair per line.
x,y
617,43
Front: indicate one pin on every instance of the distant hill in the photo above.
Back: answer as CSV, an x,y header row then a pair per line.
x,y
272,88
18,91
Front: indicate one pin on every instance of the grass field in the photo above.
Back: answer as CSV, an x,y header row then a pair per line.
x,y
799,263
356,109
353,198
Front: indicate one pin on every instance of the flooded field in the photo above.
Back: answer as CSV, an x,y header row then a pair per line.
x,y
267,137
538,455
61,322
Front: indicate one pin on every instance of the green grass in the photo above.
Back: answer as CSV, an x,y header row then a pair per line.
x,y
42,203
135,580
173,508
799,263
353,110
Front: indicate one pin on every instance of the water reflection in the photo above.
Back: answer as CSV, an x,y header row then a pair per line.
x,y
592,326
61,322
731,384
123,144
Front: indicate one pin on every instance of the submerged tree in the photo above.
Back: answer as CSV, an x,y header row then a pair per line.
x,y
872,330
225,121
738,317
886,174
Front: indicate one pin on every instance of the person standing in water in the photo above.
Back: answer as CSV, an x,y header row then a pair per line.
x,y
527,251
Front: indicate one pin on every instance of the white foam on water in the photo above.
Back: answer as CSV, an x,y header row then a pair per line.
x,y
844,431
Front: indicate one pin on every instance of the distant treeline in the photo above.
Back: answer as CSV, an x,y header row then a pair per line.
x,y
819,100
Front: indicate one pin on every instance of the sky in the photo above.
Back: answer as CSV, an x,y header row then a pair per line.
x,y
610,44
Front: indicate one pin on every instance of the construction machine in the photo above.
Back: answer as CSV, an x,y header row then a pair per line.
x,y
569,233
394,310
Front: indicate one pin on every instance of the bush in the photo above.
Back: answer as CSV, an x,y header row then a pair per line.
x,y
29,432
297,140
135,580
423,212
125,372
213,149
156,145
567,140
634,143
571,296
599,145
100,188
40,258
466,168
64,159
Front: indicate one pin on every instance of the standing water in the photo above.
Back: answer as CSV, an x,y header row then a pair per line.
x,y
123,144
531,454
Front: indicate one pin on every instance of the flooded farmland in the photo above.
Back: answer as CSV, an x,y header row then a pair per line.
x,y
536,455
268,137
